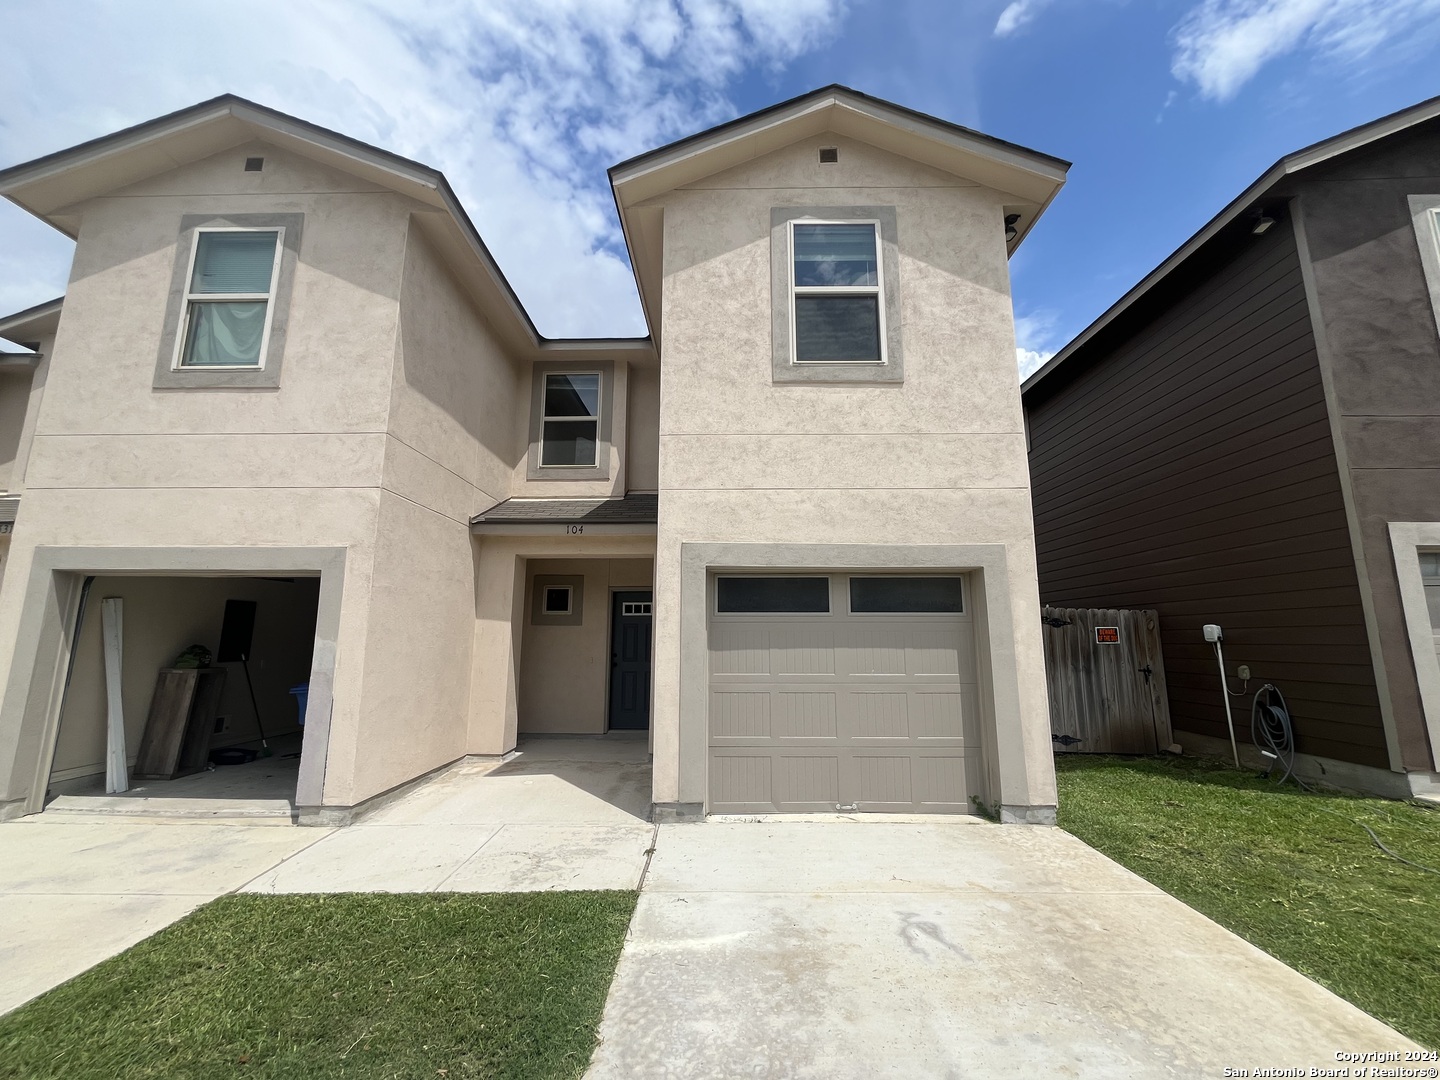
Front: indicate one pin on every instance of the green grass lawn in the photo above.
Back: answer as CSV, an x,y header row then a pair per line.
x,y
434,986
1285,869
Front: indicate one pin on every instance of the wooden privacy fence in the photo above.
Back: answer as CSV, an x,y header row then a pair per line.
x,y
1106,678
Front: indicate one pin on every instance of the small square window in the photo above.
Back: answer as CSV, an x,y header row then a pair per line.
x,y
228,298
558,599
570,423
837,314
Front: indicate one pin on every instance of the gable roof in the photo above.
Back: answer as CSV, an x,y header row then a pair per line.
x,y
1031,179
1246,202
49,186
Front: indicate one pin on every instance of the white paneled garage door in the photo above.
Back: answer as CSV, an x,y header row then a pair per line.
x,y
836,691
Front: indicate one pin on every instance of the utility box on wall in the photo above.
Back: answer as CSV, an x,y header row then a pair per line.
x,y
1106,678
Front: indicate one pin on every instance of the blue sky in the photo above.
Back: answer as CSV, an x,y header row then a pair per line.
x,y
1168,109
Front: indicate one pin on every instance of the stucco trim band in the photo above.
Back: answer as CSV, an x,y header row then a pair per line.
x,y
987,563
167,376
32,699
1406,540
782,369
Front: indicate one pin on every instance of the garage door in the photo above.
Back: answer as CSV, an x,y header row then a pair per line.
x,y
839,691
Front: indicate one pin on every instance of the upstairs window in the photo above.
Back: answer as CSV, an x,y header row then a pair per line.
x,y
837,293
570,423
229,298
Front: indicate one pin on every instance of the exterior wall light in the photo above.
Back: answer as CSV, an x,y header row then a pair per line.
x,y
1010,231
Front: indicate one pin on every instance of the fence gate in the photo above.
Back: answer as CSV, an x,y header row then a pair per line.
x,y
1107,681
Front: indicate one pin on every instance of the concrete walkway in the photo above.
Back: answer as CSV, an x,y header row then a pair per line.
x,y
77,887
858,949
561,814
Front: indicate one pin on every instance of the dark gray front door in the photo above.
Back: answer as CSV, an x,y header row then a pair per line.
x,y
630,661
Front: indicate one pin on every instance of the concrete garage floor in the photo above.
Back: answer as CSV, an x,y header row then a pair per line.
x,y
862,948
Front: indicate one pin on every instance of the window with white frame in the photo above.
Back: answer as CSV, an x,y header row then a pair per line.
x,y
229,298
558,599
837,298
570,420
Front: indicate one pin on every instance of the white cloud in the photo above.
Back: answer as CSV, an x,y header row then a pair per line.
x,y
1017,16
1034,334
522,104
1221,44
1029,361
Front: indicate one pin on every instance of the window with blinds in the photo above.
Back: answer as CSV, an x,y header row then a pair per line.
x,y
229,296
837,309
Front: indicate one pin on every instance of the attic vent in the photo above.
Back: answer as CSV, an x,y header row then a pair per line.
x,y
829,155
254,164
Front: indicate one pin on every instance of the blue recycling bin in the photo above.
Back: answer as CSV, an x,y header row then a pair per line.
x,y
302,696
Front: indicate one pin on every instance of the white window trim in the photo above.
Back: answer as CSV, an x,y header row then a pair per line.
x,y
189,298
545,417
877,290
545,608
1425,217
1407,540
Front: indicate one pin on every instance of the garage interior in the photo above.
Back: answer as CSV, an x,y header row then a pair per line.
x,y
241,735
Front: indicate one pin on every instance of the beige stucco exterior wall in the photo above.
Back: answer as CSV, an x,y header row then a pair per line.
x,y
14,400
642,467
939,459
565,670
161,617
116,463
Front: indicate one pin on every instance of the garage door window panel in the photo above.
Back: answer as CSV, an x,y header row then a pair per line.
x,y
772,595
907,595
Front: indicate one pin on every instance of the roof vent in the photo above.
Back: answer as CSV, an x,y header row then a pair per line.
x,y
829,155
254,164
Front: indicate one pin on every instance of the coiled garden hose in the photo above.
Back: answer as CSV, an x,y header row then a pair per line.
x,y
1270,729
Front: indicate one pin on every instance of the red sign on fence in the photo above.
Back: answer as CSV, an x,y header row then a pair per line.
x,y
1107,635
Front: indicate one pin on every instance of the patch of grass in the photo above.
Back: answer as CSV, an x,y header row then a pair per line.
x,y
1290,871
357,986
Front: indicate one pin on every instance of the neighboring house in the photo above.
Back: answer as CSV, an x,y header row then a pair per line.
x,y
1251,437
288,370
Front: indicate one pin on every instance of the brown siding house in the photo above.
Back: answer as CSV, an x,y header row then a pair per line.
x,y
1251,437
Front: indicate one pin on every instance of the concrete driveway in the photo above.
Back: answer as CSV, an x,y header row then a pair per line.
x,y
78,887
860,949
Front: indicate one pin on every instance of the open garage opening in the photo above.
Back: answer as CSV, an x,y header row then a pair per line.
x,y
213,679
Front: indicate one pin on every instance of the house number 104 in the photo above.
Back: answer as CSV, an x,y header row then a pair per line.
x,y
574,530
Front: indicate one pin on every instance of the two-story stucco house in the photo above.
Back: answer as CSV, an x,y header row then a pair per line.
x,y
789,532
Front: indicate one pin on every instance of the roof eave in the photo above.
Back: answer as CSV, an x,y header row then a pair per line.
x,y
19,325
